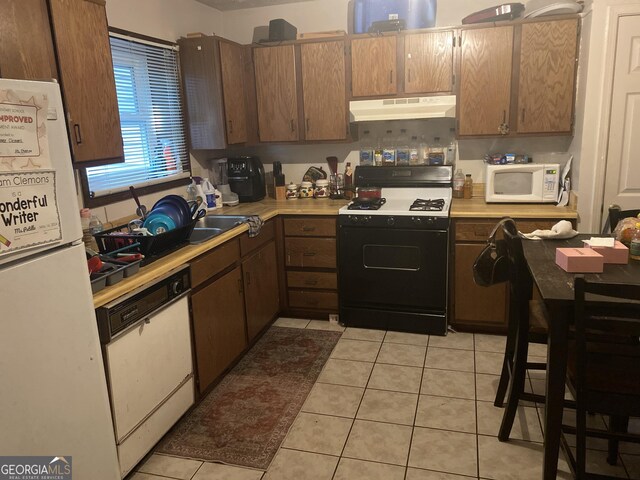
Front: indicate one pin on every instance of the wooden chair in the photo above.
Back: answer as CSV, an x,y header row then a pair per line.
x,y
604,367
615,214
527,323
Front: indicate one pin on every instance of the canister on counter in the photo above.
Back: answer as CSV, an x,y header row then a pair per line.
x,y
292,191
306,190
322,189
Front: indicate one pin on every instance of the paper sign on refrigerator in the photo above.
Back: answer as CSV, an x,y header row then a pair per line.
x,y
29,214
23,131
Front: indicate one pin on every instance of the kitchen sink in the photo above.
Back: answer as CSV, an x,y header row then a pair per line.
x,y
213,225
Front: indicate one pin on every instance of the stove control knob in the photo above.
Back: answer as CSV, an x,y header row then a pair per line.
x,y
391,221
365,219
354,219
417,220
431,220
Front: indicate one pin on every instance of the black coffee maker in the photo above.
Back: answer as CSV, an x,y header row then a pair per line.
x,y
246,178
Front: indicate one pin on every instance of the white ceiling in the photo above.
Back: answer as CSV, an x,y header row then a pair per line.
x,y
238,4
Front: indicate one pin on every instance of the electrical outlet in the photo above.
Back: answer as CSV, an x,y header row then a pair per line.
x,y
333,319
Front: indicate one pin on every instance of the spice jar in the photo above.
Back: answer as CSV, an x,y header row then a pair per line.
x,y
292,191
322,189
306,190
468,186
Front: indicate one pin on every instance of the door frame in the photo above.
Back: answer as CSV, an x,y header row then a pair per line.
x,y
591,143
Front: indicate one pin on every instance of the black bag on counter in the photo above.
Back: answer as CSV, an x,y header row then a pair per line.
x,y
492,264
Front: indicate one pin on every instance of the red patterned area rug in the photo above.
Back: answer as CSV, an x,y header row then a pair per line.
x,y
245,418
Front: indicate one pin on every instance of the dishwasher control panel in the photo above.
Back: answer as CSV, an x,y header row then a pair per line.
x,y
138,305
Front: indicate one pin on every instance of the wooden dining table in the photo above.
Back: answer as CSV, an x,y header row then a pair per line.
x,y
556,289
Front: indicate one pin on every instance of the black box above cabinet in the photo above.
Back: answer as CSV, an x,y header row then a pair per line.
x,y
280,30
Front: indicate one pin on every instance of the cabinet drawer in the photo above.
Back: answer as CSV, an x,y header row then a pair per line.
x,y
211,263
310,252
310,227
313,299
479,230
248,244
476,230
321,280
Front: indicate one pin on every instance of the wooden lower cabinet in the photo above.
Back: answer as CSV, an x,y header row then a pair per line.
x,y
482,306
218,326
261,294
474,308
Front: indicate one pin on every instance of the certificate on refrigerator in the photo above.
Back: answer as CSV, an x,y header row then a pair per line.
x,y
23,131
29,215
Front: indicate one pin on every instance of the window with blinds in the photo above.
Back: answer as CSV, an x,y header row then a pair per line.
x,y
151,118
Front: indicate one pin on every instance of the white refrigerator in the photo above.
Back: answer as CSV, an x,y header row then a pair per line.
x,y
53,397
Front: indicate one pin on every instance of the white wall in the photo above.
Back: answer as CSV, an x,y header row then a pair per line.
x,y
165,19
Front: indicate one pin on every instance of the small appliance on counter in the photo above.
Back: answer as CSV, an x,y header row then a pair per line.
x,y
220,178
246,178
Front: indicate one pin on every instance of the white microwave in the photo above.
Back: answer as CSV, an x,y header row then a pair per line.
x,y
522,183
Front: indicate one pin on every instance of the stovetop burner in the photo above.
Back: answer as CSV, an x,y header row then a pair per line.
x,y
367,203
430,205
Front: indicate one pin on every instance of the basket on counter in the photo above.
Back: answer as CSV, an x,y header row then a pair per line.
x,y
118,239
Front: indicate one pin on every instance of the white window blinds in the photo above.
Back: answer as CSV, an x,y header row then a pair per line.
x,y
150,108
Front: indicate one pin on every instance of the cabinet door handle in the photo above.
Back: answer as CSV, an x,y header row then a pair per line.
x,y
230,126
311,282
504,116
523,115
391,76
248,278
308,229
78,133
292,127
309,254
240,286
307,124
409,79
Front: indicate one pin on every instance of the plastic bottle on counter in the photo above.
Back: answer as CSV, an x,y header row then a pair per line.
x,y
634,246
389,150
468,186
458,184
402,148
95,225
414,151
366,149
450,154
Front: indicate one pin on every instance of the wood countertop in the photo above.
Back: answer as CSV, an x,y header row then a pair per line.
x,y
269,208
477,208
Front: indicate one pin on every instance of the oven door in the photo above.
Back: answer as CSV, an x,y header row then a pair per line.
x,y
393,268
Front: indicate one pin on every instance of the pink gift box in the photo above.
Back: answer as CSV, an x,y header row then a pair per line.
x,y
579,260
617,254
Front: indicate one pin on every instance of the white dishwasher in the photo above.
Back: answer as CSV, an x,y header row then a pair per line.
x,y
146,338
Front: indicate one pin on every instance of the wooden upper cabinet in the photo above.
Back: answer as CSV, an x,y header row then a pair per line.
x,y
428,62
88,86
26,53
212,72
373,66
232,69
547,76
276,94
485,80
324,90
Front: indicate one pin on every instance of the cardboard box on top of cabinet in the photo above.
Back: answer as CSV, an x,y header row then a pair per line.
x,y
579,260
618,254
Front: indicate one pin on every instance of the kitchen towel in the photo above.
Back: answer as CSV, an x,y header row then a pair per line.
x,y
562,229
255,224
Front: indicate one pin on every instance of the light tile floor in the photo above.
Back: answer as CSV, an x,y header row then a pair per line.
x,y
399,406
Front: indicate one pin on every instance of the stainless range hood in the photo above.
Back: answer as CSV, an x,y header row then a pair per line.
x,y
403,108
